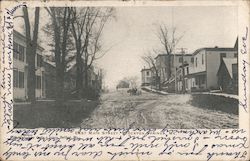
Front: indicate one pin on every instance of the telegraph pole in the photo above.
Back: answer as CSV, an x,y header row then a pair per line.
x,y
182,68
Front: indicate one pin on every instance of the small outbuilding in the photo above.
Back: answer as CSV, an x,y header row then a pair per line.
x,y
228,75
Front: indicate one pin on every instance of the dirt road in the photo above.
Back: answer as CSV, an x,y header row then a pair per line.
x,y
119,110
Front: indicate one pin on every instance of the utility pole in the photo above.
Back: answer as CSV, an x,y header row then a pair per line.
x,y
182,68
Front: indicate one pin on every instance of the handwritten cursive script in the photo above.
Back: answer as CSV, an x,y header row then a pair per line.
x,y
66,144
244,102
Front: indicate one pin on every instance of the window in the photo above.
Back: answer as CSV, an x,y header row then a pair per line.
x,y
21,52
147,73
15,78
235,55
202,79
192,60
18,79
202,59
15,50
196,80
39,60
18,51
196,60
180,60
21,79
187,70
38,82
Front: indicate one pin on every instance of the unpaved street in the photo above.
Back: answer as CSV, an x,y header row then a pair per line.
x,y
119,110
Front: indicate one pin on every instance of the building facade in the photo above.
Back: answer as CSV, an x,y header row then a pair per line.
x,y
202,71
198,71
182,78
176,60
146,77
94,81
20,69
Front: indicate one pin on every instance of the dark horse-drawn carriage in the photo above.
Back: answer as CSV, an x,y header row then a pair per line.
x,y
134,91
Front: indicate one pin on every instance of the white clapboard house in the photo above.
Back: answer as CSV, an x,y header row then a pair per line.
x,y
20,69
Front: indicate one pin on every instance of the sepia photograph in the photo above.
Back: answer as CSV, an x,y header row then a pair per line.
x,y
150,67
124,80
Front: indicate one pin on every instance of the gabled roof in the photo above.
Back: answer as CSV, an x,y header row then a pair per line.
x,y
229,63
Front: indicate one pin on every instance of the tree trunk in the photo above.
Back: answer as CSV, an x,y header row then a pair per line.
x,y
79,75
31,46
31,77
86,75
57,40
59,85
60,39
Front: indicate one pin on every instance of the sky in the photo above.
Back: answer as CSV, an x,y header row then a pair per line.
x,y
133,32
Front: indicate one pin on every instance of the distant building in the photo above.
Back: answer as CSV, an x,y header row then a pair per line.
x,y
20,69
146,77
181,78
228,75
176,60
94,80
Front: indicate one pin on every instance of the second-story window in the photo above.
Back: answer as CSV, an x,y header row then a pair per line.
x,y
18,51
192,60
21,52
147,73
202,59
39,60
15,50
196,60
187,70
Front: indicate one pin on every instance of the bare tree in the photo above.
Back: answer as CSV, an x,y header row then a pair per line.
x,y
61,19
169,39
78,23
96,20
31,46
86,26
